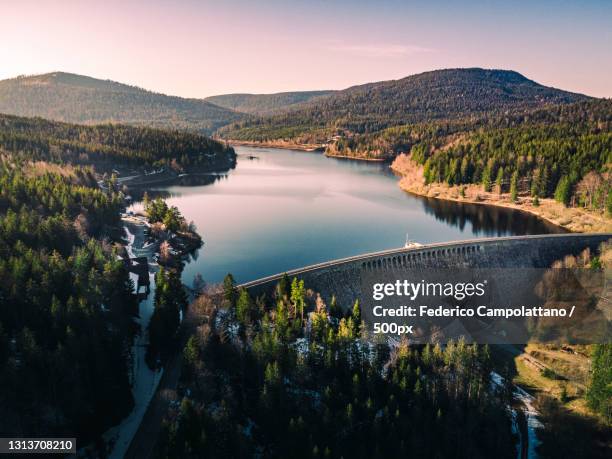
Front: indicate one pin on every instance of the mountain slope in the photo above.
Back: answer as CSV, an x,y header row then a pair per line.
x,y
109,146
265,104
80,99
442,94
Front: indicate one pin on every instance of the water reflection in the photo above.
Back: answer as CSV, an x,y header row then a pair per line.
x,y
488,220
285,209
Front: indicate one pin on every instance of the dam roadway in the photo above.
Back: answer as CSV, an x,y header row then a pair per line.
x,y
343,278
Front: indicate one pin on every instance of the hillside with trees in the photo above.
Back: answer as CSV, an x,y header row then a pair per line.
x,y
67,302
453,94
562,153
109,145
292,376
80,99
266,104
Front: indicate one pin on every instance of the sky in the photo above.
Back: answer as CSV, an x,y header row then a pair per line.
x,y
199,48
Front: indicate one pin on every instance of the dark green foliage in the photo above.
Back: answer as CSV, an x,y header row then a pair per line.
x,y
229,290
599,394
245,308
499,180
266,104
546,153
170,299
41,209
563,191
514,186
107,145
302,389
80,99
441,94
66,305
159,212
282,289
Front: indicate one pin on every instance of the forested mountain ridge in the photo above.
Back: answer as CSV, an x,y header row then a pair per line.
x,y
107,146
79,99
450,94
266,104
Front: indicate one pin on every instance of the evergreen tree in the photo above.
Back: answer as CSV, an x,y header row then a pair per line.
x,y
599,394
514,186
499,179
563,191
486,177
229,290
245,309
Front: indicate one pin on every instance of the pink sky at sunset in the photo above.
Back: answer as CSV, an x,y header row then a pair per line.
x,y
202,48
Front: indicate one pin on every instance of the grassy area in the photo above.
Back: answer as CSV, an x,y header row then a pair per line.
x,y
575,219
564,377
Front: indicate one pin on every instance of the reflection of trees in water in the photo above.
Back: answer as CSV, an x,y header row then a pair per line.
x,y
486,219
198,179
137,193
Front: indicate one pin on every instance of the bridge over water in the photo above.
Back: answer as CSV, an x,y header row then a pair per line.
x,y
343,277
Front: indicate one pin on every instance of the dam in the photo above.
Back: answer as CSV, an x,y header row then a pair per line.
x,y
343,277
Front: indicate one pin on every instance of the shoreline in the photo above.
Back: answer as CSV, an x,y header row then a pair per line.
x,y
572,219
312,147
357,158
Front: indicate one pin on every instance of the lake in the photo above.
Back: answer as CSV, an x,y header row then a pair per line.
x,y
283,209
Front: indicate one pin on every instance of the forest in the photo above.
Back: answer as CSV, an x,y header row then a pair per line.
x,y
265,104
441,95
564,153
290,376
67,303
110,145
75,98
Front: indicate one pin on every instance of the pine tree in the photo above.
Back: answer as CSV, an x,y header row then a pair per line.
x,y
486,176
244,307
356,316
229,290
499,180
514,186
563,190
599,393
465,170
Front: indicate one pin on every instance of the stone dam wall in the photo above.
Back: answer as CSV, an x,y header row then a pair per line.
x,y
343,277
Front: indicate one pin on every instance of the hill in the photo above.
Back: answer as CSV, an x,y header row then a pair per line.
x,y
80,99
266,104
437,95
110,146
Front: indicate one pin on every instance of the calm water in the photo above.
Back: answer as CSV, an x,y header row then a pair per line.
x,y
288,209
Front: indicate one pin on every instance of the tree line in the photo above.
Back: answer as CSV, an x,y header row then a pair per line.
x,y
37,139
